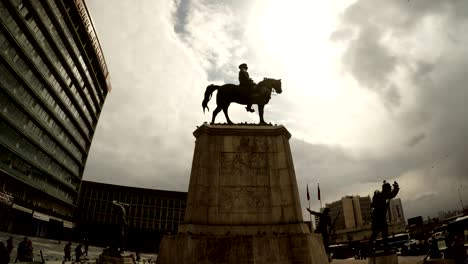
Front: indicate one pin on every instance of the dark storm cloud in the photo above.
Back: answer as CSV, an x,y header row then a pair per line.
x,y
416,140
181,18
371,63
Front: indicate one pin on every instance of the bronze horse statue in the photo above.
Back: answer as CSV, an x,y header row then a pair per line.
x,y
231,93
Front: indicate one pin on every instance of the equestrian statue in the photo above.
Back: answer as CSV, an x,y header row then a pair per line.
x,y
246,93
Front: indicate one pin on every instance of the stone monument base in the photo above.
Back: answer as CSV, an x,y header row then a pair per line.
x,y
242,249
383,258
104,259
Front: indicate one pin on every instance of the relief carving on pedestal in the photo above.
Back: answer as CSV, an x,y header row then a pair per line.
x,y
244,199
241,173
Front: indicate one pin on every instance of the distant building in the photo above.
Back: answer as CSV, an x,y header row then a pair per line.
x,y
395,213
150,213
350,212
53,84
351,216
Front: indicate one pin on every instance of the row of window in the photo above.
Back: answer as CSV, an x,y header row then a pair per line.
x,y
34,82
63,25
36,109
54,33
28,127
129,198
24,171
138,223
15,141
40,38
136,211
29,49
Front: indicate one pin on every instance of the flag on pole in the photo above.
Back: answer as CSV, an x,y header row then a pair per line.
x,y
318,191
308,195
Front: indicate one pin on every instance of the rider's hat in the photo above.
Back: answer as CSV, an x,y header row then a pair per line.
x,y
243,66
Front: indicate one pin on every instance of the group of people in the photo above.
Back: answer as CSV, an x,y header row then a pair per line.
x,y
24,252
80,250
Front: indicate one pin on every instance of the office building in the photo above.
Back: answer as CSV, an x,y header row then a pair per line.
x,y
53,84
395,213
350,212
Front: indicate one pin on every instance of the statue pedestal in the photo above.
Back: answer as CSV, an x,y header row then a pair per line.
x,y
383,258
243,203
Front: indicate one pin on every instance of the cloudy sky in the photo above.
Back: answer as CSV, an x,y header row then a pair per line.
x,y
372,90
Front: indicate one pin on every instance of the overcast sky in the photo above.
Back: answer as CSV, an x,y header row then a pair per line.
x,y
373,90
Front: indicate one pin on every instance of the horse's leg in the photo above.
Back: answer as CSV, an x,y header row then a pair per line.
x,y
215,112
260,113
225,110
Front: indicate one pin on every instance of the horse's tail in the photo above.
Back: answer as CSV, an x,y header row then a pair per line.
x,y
208,93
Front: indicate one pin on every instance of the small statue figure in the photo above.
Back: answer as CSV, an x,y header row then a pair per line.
x,y
122,223
380,206
324,226
246,84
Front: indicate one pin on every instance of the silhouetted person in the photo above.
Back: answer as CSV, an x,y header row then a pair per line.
x,y
10,246
29,255
323,226
67,251
380,205
86,246
138,255
246,83
21,250
78,252
4,256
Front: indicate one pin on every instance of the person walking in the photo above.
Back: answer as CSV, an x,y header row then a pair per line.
x,y
9,246
78,252
86,246
21,251
29,253
67,251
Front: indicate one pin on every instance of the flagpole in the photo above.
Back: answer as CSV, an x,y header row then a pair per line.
x,y
310,216
319,196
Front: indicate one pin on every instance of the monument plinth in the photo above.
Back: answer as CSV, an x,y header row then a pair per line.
x,y
383,258
243,202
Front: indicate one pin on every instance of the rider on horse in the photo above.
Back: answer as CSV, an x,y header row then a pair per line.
x,y
246,83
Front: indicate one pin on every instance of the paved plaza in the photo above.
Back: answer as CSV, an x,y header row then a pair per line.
x,y
401,260
52,250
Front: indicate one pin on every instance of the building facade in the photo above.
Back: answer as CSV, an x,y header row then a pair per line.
x,y
150,214
53,84
395,212
351,218
350,212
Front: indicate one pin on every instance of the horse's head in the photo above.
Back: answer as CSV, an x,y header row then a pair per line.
x,y
273,83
